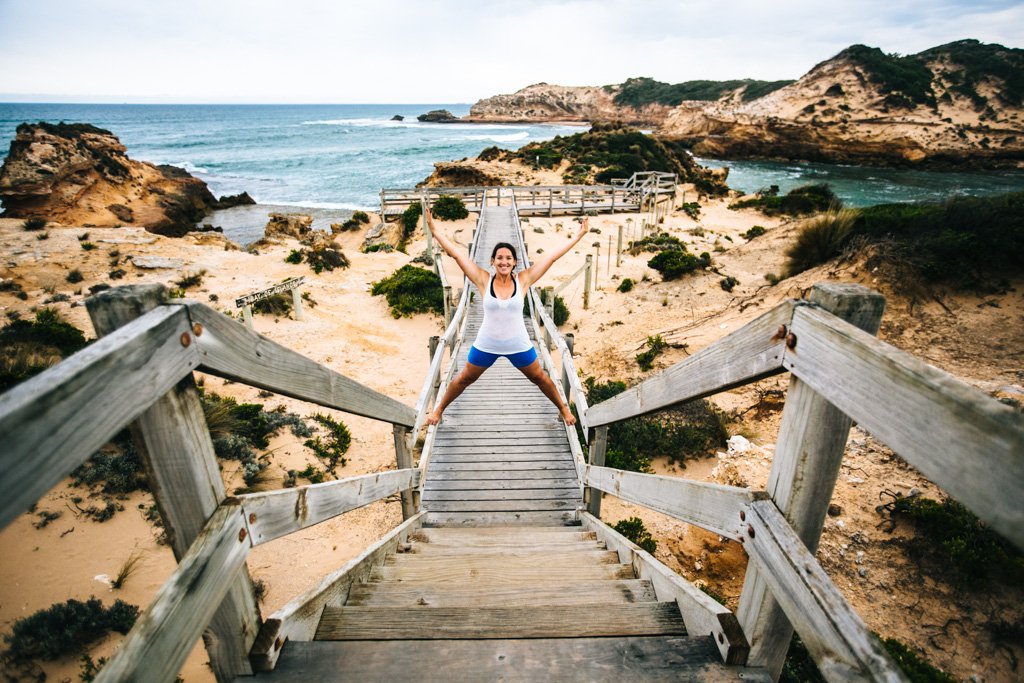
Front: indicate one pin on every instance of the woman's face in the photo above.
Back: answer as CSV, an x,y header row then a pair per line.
x,y
503,262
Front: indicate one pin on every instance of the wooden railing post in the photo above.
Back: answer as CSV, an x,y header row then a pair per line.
x,y
570,343
404,458
297,303
812,439
618,249
598,446
176,449
586,282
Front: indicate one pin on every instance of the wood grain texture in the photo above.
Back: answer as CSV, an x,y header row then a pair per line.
x,y
548,593
570,660
273,514
702,614
297,620
750,353
966,442
841,645
229,350
53,422
162,638
469,623
714,507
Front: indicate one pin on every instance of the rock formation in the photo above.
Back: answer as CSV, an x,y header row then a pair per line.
x,y
462,174
951,106
80,174
295,225
437,116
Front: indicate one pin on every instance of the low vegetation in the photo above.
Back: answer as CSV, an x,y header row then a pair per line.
x,y
358,219
27,347
625,286
320,258
410,290
687,431
278,305
448,208
190,280
34,223
634,529
64,629
333,447
799,201
755,231
821,239
673,264
799,667
641,91
656,345
409,220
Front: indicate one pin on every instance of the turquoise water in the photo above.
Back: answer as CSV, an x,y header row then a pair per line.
x,y
335,158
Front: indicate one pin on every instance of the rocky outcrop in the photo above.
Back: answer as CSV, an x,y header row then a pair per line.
x,y
437,116
542,102
78,174
850,109
462,174
295,225
228,201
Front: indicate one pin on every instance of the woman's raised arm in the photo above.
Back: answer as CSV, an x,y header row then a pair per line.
x,y
530,276
475,273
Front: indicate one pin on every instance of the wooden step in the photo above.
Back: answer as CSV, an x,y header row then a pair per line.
x,y
569,660
500,484
504,557
445,595
524,505
501,519
466,572
502,535
440,623
540,473
506,550
431,494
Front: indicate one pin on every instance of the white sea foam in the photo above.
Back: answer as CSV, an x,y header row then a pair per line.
x,y
511,137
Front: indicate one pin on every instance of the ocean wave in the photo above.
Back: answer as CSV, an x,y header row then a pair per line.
x,y
187,165
511,137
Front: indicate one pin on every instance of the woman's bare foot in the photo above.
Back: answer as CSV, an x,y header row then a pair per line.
x,y
567,416
433,419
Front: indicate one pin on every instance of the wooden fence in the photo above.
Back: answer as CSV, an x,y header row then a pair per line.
x,y
291,285
141,372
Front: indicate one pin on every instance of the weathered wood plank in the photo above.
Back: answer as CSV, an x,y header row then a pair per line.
x,y
273,514
714,507
502,484
297,620
174,445
523,556
550,594
506,574
232,351
516,494
439,623
750,353
525,476
479,454
546,534
520,518
52,423
501,505
508,465
701,613
842,646
156,648
968,443
570,660
515,549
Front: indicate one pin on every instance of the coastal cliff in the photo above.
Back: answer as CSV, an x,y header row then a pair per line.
x,y
956,105
81,174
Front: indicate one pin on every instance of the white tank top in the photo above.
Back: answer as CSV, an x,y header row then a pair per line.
x,y
503,329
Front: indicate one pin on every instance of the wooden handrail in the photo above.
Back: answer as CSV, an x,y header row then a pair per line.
x,y
53,422
714,507
966,442
750,353
839,641
230,350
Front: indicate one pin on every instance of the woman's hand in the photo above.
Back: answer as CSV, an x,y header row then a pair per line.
x,y
584,228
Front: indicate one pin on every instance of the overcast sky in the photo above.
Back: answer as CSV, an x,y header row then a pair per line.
x,y
444,51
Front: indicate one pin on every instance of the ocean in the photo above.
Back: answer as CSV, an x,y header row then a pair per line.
x,y
333,159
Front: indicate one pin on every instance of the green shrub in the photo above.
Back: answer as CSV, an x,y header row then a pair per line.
x,y
691,209
799,667
410,219
728,283
189,280
958,543
382,246
907,76
294,257
448,208
361,216
674,264
561,311
656,345
634,529
117,469
66,628
278,305
411,290
661,241
917,669
625,286
88,246
117,274
34,223
799,201
641,91
75,276
326,257
679,433
755,231
29,347
820,240
337,443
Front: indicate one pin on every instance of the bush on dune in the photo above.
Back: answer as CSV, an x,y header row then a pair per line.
x,y
411,290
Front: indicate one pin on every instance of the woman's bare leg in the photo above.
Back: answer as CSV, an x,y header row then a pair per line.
x,y
470,373
535,373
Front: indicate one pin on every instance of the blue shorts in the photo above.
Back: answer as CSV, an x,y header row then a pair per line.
x,y
483,359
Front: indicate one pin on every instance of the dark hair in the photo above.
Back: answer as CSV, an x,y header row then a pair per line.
x,y
505,245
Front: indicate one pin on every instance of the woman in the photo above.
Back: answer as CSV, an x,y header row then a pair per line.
x,y
503,332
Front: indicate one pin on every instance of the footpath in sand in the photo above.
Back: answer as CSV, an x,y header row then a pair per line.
x,y
353,333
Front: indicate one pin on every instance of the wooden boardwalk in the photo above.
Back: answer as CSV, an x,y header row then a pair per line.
x,y
501,454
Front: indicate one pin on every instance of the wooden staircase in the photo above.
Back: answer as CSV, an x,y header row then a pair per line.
x,y
504,603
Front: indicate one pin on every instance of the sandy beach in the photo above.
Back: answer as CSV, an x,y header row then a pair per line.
x,y
353,333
